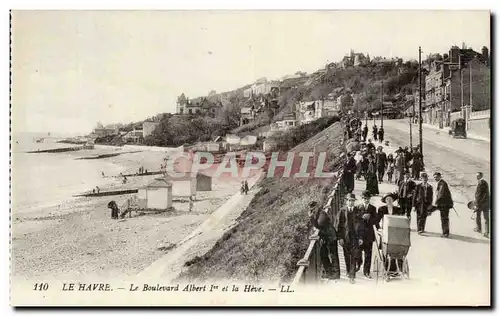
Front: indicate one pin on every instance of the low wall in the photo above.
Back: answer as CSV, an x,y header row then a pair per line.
x,y
480,127
478,123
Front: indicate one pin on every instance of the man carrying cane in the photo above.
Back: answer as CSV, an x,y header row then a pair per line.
x,y
444,203
482,201
422,202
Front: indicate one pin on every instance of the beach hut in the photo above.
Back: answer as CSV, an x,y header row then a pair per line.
x,y
156,195
188,184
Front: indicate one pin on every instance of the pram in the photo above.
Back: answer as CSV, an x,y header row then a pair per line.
x,y
390,248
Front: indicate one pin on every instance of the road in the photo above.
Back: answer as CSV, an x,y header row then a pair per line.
x,y
457,159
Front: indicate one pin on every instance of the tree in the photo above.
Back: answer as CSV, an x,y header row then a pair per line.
x,y
346,102
182,99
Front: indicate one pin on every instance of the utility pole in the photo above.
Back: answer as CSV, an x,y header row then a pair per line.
x,y
411,122
420,100
469,108
462,91
382,112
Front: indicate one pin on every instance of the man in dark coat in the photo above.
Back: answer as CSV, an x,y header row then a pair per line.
x,y
416,165
349,172
444,203
381,162
405,192
482,199
375,132
407,157
350,234
422,202
365,132
370,146
328,240
370,219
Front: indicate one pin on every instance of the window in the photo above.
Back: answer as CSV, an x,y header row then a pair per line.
x,y
190,111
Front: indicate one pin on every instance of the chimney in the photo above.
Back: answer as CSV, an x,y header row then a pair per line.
x,y
454,52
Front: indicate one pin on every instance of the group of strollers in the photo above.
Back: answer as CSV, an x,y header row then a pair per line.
x,y
372,240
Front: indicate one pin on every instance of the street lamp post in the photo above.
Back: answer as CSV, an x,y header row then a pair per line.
x,y
420,99
382,111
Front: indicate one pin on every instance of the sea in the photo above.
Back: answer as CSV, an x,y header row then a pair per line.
x,y
42,180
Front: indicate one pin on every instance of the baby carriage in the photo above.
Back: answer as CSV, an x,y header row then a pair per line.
x,y
390,248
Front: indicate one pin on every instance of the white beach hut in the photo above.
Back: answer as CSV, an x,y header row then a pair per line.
x,y
157,194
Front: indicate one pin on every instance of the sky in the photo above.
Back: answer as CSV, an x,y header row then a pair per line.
x,y
71,69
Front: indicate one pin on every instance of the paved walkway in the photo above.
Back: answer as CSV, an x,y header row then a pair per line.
x,y
201,239
438,266
359,187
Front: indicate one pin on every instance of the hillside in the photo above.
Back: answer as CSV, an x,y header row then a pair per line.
x,y
271,234
362,82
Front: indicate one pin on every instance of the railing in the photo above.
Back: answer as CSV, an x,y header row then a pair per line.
x,y
310,267
484,113
309,270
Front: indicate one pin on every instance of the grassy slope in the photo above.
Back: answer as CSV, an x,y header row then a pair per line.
x,y
271,235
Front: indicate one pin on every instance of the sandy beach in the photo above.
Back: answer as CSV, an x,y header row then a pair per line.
x,y
78,237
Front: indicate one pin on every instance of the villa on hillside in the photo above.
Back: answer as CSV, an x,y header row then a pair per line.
x,y
354,60
104,131
261,87
200,105
135,136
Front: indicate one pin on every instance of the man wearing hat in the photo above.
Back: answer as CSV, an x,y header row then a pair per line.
x,y
369,216
405,192
349,171
328,240
422,202
444,203
381,162
350,234
365,132
370,146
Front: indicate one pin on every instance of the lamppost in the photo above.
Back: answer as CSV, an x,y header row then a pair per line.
x,y
382,111
420,99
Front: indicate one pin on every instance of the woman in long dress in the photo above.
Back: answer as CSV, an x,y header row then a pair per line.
x,y
390,209
371,177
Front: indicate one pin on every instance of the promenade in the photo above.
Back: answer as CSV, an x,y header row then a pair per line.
x,y
438,266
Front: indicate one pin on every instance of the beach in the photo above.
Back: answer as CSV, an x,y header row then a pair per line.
x,y
77,237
